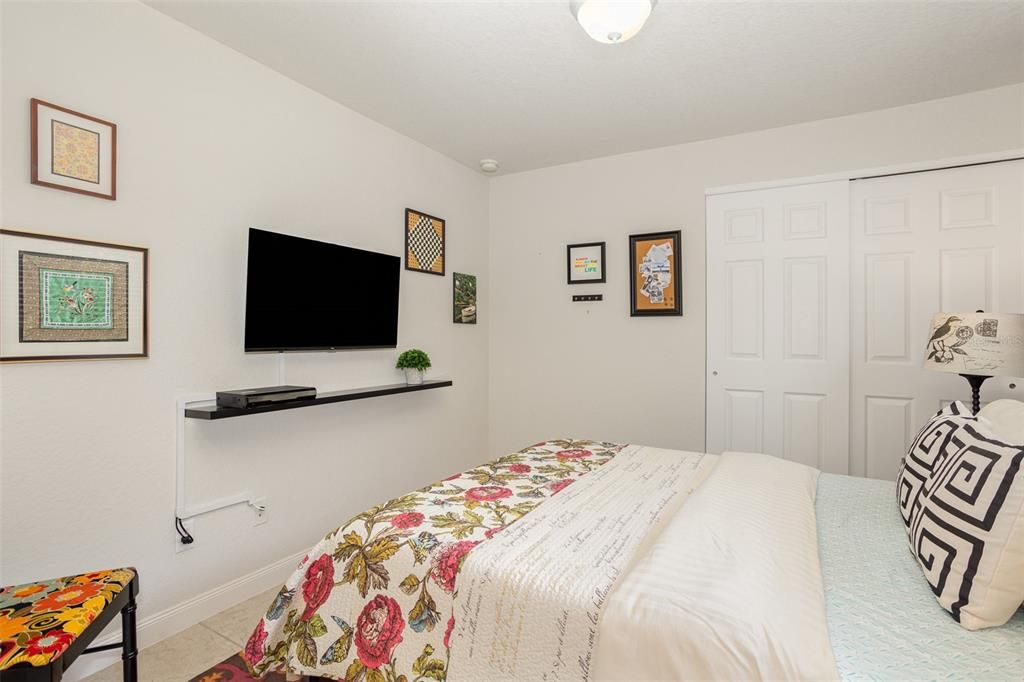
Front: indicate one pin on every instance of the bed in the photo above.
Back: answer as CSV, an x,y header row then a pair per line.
x,y
584,560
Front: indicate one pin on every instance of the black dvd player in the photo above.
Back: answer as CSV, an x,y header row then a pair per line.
x,y
254,397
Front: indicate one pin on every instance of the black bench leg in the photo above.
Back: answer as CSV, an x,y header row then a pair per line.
x,y
129,646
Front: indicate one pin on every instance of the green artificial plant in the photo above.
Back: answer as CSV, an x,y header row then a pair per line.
x,y
413,358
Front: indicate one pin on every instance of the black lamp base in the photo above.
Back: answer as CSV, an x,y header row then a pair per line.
x,y
975,381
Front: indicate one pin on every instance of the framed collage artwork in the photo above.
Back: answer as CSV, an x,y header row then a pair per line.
x,y
655,268
71,299
72,151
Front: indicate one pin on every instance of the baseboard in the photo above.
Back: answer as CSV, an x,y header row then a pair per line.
x,y
171,621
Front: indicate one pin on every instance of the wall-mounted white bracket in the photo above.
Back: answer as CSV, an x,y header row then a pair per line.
x,y
182,511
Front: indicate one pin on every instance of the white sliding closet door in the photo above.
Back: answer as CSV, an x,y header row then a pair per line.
x,y
923,243
778,323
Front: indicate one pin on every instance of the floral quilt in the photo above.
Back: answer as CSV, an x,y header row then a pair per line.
x,y
373,601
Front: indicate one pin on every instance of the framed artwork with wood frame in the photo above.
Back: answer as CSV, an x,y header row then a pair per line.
x,y
73,151
585,263
655,274
464,307
424,243
71,299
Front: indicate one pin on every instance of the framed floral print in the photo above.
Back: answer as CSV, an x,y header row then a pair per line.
x,y
73,151
424,243
71,299
585,263
655,268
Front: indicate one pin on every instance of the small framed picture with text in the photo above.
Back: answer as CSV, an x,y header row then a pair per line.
x,y
585,264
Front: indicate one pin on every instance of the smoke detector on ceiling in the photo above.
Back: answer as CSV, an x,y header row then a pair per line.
x,y
489,165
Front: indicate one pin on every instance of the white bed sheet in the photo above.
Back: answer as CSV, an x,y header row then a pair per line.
x,y
731,589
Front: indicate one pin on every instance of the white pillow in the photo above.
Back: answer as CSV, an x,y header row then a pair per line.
x,y
968,536
1006,418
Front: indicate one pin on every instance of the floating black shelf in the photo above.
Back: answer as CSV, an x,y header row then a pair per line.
x,y
215,412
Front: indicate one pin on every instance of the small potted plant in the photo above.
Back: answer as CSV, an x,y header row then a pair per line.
x,y
414,362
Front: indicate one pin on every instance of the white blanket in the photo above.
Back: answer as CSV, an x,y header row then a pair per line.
x,y
731,589
635,575
529,601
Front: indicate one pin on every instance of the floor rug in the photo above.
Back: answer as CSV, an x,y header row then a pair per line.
x,y
234,670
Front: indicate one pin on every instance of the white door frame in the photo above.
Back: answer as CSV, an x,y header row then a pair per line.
x,y
913,167
858,174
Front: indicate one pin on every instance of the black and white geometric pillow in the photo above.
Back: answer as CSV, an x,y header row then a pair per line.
x,y
932,445
968,535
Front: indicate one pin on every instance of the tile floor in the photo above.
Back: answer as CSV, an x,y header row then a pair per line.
x,y
192,651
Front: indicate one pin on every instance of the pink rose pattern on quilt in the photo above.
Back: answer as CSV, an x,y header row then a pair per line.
x,y
373,601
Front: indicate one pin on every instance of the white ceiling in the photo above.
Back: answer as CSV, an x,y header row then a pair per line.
x,y
522,83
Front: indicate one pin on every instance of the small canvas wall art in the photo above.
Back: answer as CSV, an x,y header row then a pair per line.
x,y
655,274
464,299
585,263
63,299
424,243
73,151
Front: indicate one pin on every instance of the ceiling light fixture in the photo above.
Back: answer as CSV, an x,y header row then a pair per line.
x,y
612,21
489,165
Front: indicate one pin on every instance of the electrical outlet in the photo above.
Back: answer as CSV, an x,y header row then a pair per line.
x,y
261,514
179,546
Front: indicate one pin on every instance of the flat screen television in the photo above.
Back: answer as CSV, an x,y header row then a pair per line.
x,y
307,295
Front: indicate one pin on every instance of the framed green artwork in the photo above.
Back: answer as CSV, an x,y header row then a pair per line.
x,y
464,310
71,299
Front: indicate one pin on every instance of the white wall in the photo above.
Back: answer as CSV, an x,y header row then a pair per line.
x,y
589,370
211,143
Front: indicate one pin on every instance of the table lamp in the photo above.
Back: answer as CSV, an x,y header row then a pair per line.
x,y
976,346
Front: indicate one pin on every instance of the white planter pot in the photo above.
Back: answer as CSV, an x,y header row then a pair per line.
x,y
413,377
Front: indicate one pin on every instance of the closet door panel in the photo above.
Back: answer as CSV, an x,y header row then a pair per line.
x,y
778,323
923,243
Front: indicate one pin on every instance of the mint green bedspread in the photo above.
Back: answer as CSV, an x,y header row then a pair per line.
x,y
883,620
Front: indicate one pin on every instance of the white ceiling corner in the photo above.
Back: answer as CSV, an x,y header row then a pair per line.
x,y
522,83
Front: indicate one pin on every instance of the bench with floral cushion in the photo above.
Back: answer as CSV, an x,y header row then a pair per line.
x,y
46,625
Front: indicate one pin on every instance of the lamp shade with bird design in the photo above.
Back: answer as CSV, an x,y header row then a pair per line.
x,y
978,344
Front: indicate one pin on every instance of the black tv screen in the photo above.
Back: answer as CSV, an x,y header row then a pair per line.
x,y
303,294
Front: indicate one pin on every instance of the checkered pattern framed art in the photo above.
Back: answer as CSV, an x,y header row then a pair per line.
x,y
424,243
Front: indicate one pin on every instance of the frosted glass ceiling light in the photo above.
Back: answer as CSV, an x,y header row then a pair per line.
x,y
612,21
